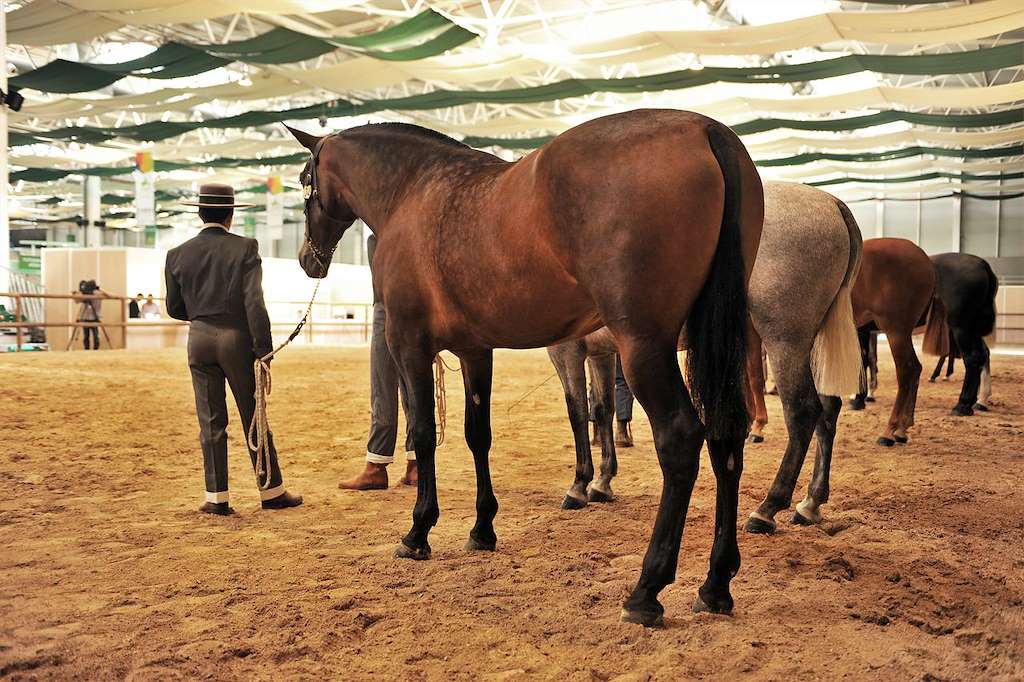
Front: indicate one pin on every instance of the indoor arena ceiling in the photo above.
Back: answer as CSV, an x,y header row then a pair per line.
x,y
879,98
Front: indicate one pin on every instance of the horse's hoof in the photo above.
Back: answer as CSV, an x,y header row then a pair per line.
x,y
709,605
801,520
981,407
649,619
902,440
962,411
932,380
855,405
476,545
404,551
886,442
756,438
869,399
760,526
596,495
570,502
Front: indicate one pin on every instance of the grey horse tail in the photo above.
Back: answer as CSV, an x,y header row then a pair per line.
x,y
835,355
716,328
856,243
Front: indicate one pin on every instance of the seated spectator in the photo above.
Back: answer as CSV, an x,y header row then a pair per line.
x,y
133,307
150,309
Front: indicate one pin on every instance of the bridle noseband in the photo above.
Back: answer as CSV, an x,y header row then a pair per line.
x,y
309,193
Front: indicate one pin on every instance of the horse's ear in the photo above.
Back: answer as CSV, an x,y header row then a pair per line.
x,y
305,139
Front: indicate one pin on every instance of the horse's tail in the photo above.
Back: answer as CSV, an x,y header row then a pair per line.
x,y
936,331
716,328
987,316
836,356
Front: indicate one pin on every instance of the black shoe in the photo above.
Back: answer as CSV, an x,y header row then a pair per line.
x,y
282,501
218,508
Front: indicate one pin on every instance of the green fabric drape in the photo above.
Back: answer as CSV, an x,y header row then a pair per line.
x,y
968,195
893,154
982,59
919,178
412,40
51,174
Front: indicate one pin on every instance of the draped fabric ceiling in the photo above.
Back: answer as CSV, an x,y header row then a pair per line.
x,y
924,98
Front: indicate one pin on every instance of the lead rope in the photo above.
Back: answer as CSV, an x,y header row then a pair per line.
x,y
258,437
440,396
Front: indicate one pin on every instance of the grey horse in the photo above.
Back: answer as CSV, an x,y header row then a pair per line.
x,y
800,308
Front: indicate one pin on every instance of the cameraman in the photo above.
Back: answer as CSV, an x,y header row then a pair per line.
x,y
89,311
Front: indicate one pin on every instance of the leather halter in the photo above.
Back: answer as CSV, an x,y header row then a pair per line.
x,y
309,193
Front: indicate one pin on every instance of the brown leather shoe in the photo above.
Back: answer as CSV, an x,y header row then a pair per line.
x,y
623,435
282,501
373,477
412,475
218,508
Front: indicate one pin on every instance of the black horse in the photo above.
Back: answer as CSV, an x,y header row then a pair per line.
x,y
967,287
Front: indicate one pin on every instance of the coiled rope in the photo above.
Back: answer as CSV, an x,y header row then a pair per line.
x,y
258,437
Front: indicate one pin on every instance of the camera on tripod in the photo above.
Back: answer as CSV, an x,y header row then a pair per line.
x,y
88,287
88,318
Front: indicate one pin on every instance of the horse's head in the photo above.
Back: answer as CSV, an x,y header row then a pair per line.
x,y
328,215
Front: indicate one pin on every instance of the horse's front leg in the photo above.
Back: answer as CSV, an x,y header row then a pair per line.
x,y
477,371
602,376
569,360
415,360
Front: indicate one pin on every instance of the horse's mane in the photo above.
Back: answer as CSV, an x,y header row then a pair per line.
x,y
412,129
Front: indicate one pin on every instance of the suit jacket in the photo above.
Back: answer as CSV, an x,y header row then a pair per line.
x,y
218,276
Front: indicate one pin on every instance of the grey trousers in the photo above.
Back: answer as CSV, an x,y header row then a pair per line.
x,y
385,388
217,352
623,396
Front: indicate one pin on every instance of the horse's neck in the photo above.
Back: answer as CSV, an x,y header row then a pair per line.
x,y
402,170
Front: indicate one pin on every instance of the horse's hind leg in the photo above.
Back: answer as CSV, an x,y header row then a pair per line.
x,y
477,371
864,340
908,374
755,379
801,407
415,363
808,511
727,461
602,377
652,371
569,359
975,355
986,383
938,368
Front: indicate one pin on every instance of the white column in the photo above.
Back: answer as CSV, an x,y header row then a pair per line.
x,y
5,224
879,217
958,215
91,202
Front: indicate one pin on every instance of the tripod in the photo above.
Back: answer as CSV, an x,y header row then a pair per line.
x,y
77,329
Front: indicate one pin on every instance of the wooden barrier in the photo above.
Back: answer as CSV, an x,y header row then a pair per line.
x,y
125,322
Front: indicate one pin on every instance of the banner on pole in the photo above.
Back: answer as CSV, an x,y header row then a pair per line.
x,y
145,189
275,207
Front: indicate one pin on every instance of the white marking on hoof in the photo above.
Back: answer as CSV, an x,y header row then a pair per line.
x,y
761,517
809,510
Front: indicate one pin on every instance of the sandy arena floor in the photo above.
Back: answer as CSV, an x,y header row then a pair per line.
x,y
916,573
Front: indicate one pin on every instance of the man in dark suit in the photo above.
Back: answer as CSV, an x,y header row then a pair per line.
x,y
214,281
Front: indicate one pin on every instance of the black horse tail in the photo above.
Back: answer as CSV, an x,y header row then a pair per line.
x,y
716,330
987,315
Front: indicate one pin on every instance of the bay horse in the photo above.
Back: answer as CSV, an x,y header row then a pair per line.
x,y
641,221
896,293
800,307
968,286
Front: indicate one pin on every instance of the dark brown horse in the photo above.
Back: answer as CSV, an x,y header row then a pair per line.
x,y
641,221
895,293
967,287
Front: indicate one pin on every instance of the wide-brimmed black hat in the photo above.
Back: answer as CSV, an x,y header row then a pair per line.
x,y
216,196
